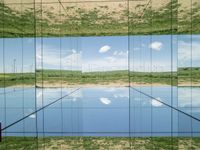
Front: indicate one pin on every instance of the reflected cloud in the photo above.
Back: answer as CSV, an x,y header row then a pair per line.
x,y
105,101
39,94
77,94
32,116
50,94
121,95
156,103
110,89
29,111
189,97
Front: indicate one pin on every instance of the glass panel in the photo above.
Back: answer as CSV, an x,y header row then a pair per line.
x,y
99,74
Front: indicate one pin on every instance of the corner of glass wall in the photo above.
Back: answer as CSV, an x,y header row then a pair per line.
x,y
139,27
18,63
188,68
139,67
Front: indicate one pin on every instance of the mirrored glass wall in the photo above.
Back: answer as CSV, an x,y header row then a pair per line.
x,y
89,74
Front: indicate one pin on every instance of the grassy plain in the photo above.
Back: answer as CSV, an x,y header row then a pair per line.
x,y
90,143
57,78
99,19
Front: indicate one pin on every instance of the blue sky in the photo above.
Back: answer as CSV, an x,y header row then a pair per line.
x,y
105,53
189,51
13,50
147,53
153,53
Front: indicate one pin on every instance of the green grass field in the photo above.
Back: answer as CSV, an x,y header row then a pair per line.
x,y
165,78
91,143
184,75
189,75
11,79
98,20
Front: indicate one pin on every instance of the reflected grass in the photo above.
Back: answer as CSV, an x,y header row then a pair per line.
x,y
99,21
87,143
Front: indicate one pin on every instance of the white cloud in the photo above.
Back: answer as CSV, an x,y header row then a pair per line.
x,y
72,60
118,60
104,49
156,103
156,46
105,101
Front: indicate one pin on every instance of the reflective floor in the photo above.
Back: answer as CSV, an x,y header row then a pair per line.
x,y
101,111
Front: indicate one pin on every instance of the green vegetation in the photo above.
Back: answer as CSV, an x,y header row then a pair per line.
x,y
58,76
54,78
105,77
90,143
189,75
119,77
102,20
166,78
15,79
15,24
